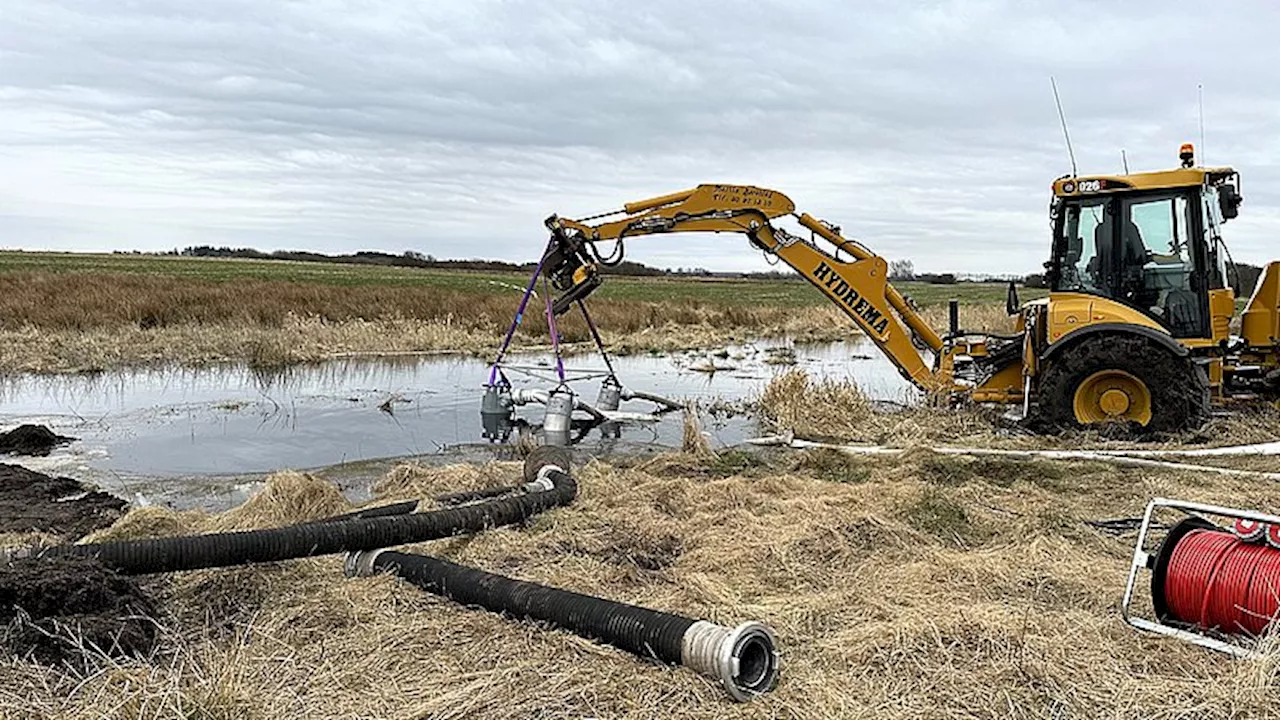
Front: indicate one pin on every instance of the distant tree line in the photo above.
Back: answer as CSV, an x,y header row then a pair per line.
x,y
409,258
1243,277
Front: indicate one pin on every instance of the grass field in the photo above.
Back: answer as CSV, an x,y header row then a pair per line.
x,y
925,586
69,312
917,586
789,293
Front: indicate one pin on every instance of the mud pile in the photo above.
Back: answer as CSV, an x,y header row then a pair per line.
x,y
35,502
54,609
30,440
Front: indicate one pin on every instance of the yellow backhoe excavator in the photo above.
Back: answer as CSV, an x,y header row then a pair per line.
x,y
1136,327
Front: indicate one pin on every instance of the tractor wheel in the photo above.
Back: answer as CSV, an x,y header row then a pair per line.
x,y
1271,385
1123,379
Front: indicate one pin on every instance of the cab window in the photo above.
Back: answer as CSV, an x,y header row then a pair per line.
x,y
1079,265
1139,250
1156,262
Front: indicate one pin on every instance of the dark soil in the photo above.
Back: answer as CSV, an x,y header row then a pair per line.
x,y
50,608
34,502
30,440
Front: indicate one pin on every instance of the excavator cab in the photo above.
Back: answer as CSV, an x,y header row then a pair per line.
x,y
1137,326
1149,242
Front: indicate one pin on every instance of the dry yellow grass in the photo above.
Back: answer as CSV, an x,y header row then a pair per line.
x,y
103,321
837,410
921,587
310,339
974,317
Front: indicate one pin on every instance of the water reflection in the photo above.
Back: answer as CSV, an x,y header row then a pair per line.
x,y
227,420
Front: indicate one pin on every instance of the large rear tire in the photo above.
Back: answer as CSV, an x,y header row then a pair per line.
x,y
1123,379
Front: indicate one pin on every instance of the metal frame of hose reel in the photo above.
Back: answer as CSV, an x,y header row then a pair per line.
x,y
1146,560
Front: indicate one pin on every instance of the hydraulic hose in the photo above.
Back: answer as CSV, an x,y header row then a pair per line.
x,y
551,487
744,659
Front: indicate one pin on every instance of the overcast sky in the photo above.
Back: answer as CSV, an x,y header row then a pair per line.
x,y
926,130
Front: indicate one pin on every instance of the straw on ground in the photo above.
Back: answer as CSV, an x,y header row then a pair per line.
x,y
922,587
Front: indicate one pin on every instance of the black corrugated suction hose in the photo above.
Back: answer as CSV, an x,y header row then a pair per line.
x,y
540,457
408,506
401,508
551,488
744,659
466,496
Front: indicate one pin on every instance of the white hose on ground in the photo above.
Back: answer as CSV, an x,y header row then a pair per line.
x,y
628,394
1271,448
1110,456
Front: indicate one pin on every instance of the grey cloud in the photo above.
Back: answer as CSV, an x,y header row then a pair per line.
x,y
926,129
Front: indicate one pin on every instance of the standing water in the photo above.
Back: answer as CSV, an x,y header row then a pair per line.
x,y
163,430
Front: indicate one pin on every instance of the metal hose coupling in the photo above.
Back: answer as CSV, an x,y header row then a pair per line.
x,y
360,563
543,482
744,659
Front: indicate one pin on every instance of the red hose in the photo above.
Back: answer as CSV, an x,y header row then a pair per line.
x,y
1219,582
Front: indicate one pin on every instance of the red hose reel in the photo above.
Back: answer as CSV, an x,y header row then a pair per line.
x,y
1216,586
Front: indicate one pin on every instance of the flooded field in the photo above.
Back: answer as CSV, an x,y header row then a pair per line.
x,y
198,437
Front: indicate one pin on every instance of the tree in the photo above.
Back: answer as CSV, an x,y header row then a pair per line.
x,y
938,278
1244,278
902,270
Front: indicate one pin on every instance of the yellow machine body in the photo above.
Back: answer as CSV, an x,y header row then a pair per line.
x,y
1071,312
1260,326
958,366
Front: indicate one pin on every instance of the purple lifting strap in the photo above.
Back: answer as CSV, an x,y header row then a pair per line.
x,y
555,335
524,302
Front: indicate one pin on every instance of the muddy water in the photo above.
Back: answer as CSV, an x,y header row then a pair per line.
x,y
196,437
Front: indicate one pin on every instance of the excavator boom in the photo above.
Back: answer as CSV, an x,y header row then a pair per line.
x,y
1136,328
858,286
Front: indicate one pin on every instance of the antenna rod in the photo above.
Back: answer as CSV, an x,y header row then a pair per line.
x,y
1063,118
1124,159
1200,102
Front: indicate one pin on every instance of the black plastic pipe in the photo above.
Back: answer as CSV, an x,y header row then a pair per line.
x,y
539,458
466,496
409,506
400,508
551,488
744,659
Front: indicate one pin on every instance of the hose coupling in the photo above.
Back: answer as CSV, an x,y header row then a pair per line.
x,y
744,659
360,563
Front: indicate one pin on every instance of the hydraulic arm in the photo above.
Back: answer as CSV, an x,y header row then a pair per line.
x,y
858,286
1136,328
